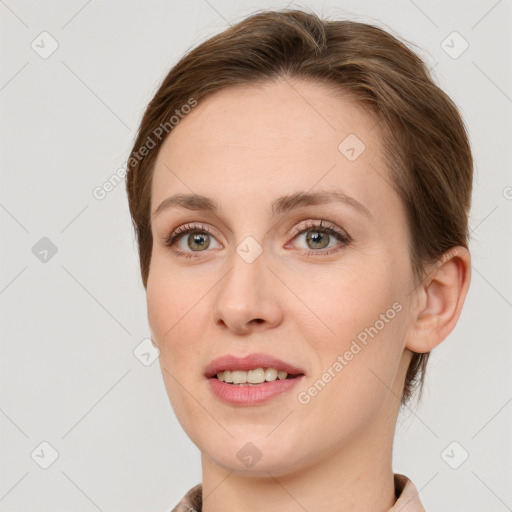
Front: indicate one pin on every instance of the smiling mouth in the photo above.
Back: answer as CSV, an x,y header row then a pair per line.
x,y
254,377
255,385
247,384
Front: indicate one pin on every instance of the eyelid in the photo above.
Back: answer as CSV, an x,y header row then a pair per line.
x,y
298,229
186,228
329,226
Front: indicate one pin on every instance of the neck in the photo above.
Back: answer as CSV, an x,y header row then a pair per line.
x,y
357,477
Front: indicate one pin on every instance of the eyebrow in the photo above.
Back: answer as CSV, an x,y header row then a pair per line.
x,y
280,206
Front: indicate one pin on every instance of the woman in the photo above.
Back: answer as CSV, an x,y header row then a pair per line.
x,y
300,191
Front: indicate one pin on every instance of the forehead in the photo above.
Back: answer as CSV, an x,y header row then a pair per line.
x,y
272,139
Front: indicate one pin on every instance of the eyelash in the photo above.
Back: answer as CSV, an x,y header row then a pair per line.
x,y
342,236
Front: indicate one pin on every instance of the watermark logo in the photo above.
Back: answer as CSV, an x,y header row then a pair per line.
x,y
454,455
249,249
44,250
146,352
454,45
44,455
249,454
44,45
351,147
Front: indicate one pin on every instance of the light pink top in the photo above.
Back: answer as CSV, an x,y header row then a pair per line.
x,y
407,498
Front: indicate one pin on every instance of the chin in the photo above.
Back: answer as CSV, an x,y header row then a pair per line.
x,y
275,465
255,456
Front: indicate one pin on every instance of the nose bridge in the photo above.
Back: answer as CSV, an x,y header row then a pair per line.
x,y
245,295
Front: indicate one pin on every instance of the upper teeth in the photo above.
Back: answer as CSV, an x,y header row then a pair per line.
x,y
256,376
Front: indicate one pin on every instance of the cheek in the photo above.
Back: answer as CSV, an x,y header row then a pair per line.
x,y
364,334
169,296
174,305
355,381
345,300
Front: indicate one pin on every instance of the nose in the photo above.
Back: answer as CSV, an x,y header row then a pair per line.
x,y
247,298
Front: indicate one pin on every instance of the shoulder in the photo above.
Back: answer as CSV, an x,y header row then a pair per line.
x,y
407,495
408,499
192,501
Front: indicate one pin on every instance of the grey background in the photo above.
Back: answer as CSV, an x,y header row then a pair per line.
x,y
70,324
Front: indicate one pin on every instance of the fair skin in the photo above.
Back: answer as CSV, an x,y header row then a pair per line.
x,y
244,148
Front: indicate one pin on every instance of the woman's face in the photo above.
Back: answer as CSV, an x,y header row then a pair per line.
x,y
332,301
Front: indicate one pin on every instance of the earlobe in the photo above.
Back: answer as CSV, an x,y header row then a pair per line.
x,y
440,300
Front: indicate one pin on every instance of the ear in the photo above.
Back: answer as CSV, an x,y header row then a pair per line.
x,y
439,300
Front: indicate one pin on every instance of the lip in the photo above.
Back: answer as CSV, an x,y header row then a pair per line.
x,y
249,362
245,395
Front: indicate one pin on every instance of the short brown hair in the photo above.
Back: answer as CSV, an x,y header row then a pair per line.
x,y
425,140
